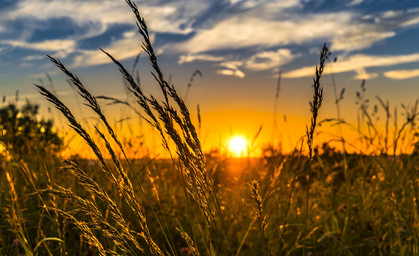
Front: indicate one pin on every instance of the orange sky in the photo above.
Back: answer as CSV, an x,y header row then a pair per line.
x,y
219,126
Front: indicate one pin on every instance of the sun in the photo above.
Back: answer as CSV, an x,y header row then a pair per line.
x,y
237,146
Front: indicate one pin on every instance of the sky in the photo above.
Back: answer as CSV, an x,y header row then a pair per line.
x,y
239,46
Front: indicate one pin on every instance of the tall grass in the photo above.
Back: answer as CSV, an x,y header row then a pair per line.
x,y
315,107
175,123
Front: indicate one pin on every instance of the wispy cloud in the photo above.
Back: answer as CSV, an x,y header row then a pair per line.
x,y
34,57
355,2
402,74
243,31
361,74
357,38
347,30
270,59
278,5
59,47
357,63
230,72
411,22
231,68
199,57
128,46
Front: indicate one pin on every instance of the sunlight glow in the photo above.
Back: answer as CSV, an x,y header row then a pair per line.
x,y
237,146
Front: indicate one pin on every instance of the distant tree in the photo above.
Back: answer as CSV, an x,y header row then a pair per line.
x,y
28,138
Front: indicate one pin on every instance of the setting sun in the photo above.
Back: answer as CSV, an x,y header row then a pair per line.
x,y
237,146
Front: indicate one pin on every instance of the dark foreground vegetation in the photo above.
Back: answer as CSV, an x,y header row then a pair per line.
x,y
315,200
369,209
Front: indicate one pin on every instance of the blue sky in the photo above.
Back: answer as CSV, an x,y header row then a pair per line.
x,y
237,44
236,37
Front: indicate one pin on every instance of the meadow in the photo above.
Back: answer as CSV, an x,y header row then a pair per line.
x,y
318,199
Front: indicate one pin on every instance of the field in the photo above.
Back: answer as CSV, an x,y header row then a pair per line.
x,y
314,200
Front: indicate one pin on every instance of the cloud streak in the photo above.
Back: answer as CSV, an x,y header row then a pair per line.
x,y
243,31
231,72
270,59
128,46
357,63
199,57
402,74
346,30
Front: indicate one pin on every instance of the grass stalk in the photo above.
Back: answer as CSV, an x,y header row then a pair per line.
x,y
188,145
315,106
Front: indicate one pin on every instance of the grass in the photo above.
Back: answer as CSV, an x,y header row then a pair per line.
x,y
322,203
